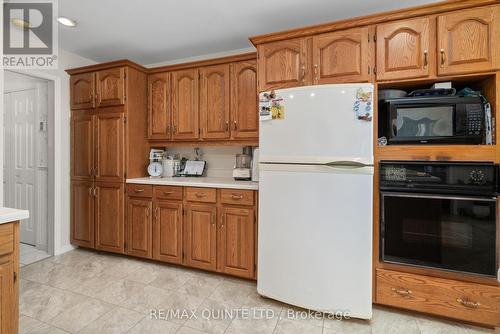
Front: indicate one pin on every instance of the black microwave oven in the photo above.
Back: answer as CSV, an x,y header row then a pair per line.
x,y
433,120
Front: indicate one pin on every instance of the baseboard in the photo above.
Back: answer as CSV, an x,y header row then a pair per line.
x,y
64,249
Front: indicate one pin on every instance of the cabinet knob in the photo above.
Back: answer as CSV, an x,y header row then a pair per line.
x,y
166,193
139,190
401,292
200,195
426,59
468,303
443,57
303,73
233,196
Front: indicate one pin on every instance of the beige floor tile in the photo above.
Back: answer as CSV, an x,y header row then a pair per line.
x,y
256,301
256,326
117,321
153,326
119,291
92,286
171,278
147,273
47,329
146,299
27,324
231,295
80,315
347,326
209,318
43,302
39,272
286,326
390,322
123,267
74,257
183,303
200,285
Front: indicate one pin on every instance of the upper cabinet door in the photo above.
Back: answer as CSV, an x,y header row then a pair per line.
x,y
214,102
111,87
469,41
109,146
185,105
342,56
283,64
159,106
244,100
82,147
406,49
82,91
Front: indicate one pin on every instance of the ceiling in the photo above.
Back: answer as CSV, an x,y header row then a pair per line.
x,y
152,31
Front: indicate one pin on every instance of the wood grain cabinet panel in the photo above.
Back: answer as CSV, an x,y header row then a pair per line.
x,y
201,236
109,145
82,213
215,101
185,108
461,300
236,241
139,228
406,49
109,214
8,303
82,146
159,106
283,64
110,87
342,56
82,91
244,121
469,41
167,231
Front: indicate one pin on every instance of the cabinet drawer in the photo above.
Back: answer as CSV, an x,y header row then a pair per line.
x,y
234,196
168,192
6,238
461,300
207,195
140,190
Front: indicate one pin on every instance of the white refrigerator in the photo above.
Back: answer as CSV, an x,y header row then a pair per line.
x,y
315,199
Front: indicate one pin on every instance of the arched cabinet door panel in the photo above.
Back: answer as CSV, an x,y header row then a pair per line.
x,y
406,49
469,41
244,100
82,88
159,106
111,87
185,108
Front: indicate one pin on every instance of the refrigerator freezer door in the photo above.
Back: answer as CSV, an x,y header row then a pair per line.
x,y
320,126
315,237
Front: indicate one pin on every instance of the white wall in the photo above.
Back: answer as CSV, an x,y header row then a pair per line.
x,y
61,145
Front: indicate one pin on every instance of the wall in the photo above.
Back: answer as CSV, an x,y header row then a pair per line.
x,y
60,146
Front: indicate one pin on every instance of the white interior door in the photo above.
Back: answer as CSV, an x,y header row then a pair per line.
x,y
20,157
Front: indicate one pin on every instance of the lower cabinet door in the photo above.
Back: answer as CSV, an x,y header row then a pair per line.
x,y
200,236
8,303
236,242
109,212
167,231
139,228
82,213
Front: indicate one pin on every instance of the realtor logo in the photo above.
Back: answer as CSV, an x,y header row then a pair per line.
x,y
29,34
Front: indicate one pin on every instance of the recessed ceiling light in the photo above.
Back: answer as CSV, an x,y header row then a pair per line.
x,y
66,21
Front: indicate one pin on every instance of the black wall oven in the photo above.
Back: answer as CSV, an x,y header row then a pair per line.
x,y
439,215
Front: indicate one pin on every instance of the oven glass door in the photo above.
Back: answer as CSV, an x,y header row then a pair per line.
x,y
445,232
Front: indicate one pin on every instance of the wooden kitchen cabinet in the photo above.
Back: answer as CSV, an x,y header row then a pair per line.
x,y
82,146
469,41
406,49
283,64
215,101
110,87
244,120
109,147
167,231
109,213
82,90
236,241
159,106
185,108
139,227
82,213
200,245
8,303
342,56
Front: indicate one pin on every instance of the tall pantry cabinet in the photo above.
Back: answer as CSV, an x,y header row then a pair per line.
x,y
108,144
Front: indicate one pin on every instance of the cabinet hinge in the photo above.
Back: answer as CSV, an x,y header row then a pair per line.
x,y
125,244
15,276
254,267
183,255
375,37
254,219
368,37
183,212
368,69
199,131
125,119
374,69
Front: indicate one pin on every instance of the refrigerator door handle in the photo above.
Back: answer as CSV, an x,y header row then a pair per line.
x,y
347,164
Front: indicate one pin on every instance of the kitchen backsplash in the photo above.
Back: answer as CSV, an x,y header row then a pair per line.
x,y
220,160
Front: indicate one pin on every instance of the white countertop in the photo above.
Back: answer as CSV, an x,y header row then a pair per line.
x,y
206,182
8,215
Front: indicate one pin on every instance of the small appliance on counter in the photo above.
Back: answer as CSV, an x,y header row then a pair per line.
x,y
242,169
168,164
193,168
155,167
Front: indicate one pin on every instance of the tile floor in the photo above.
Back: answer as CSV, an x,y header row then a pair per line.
x,y
87,292
30,254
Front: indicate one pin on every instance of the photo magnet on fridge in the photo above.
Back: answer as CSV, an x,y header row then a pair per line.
x,y
363,108
265,106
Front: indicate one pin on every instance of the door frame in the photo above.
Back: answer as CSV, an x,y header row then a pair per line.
x,y
55,161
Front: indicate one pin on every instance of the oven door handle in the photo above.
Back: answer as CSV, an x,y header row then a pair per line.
x,y
420,195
